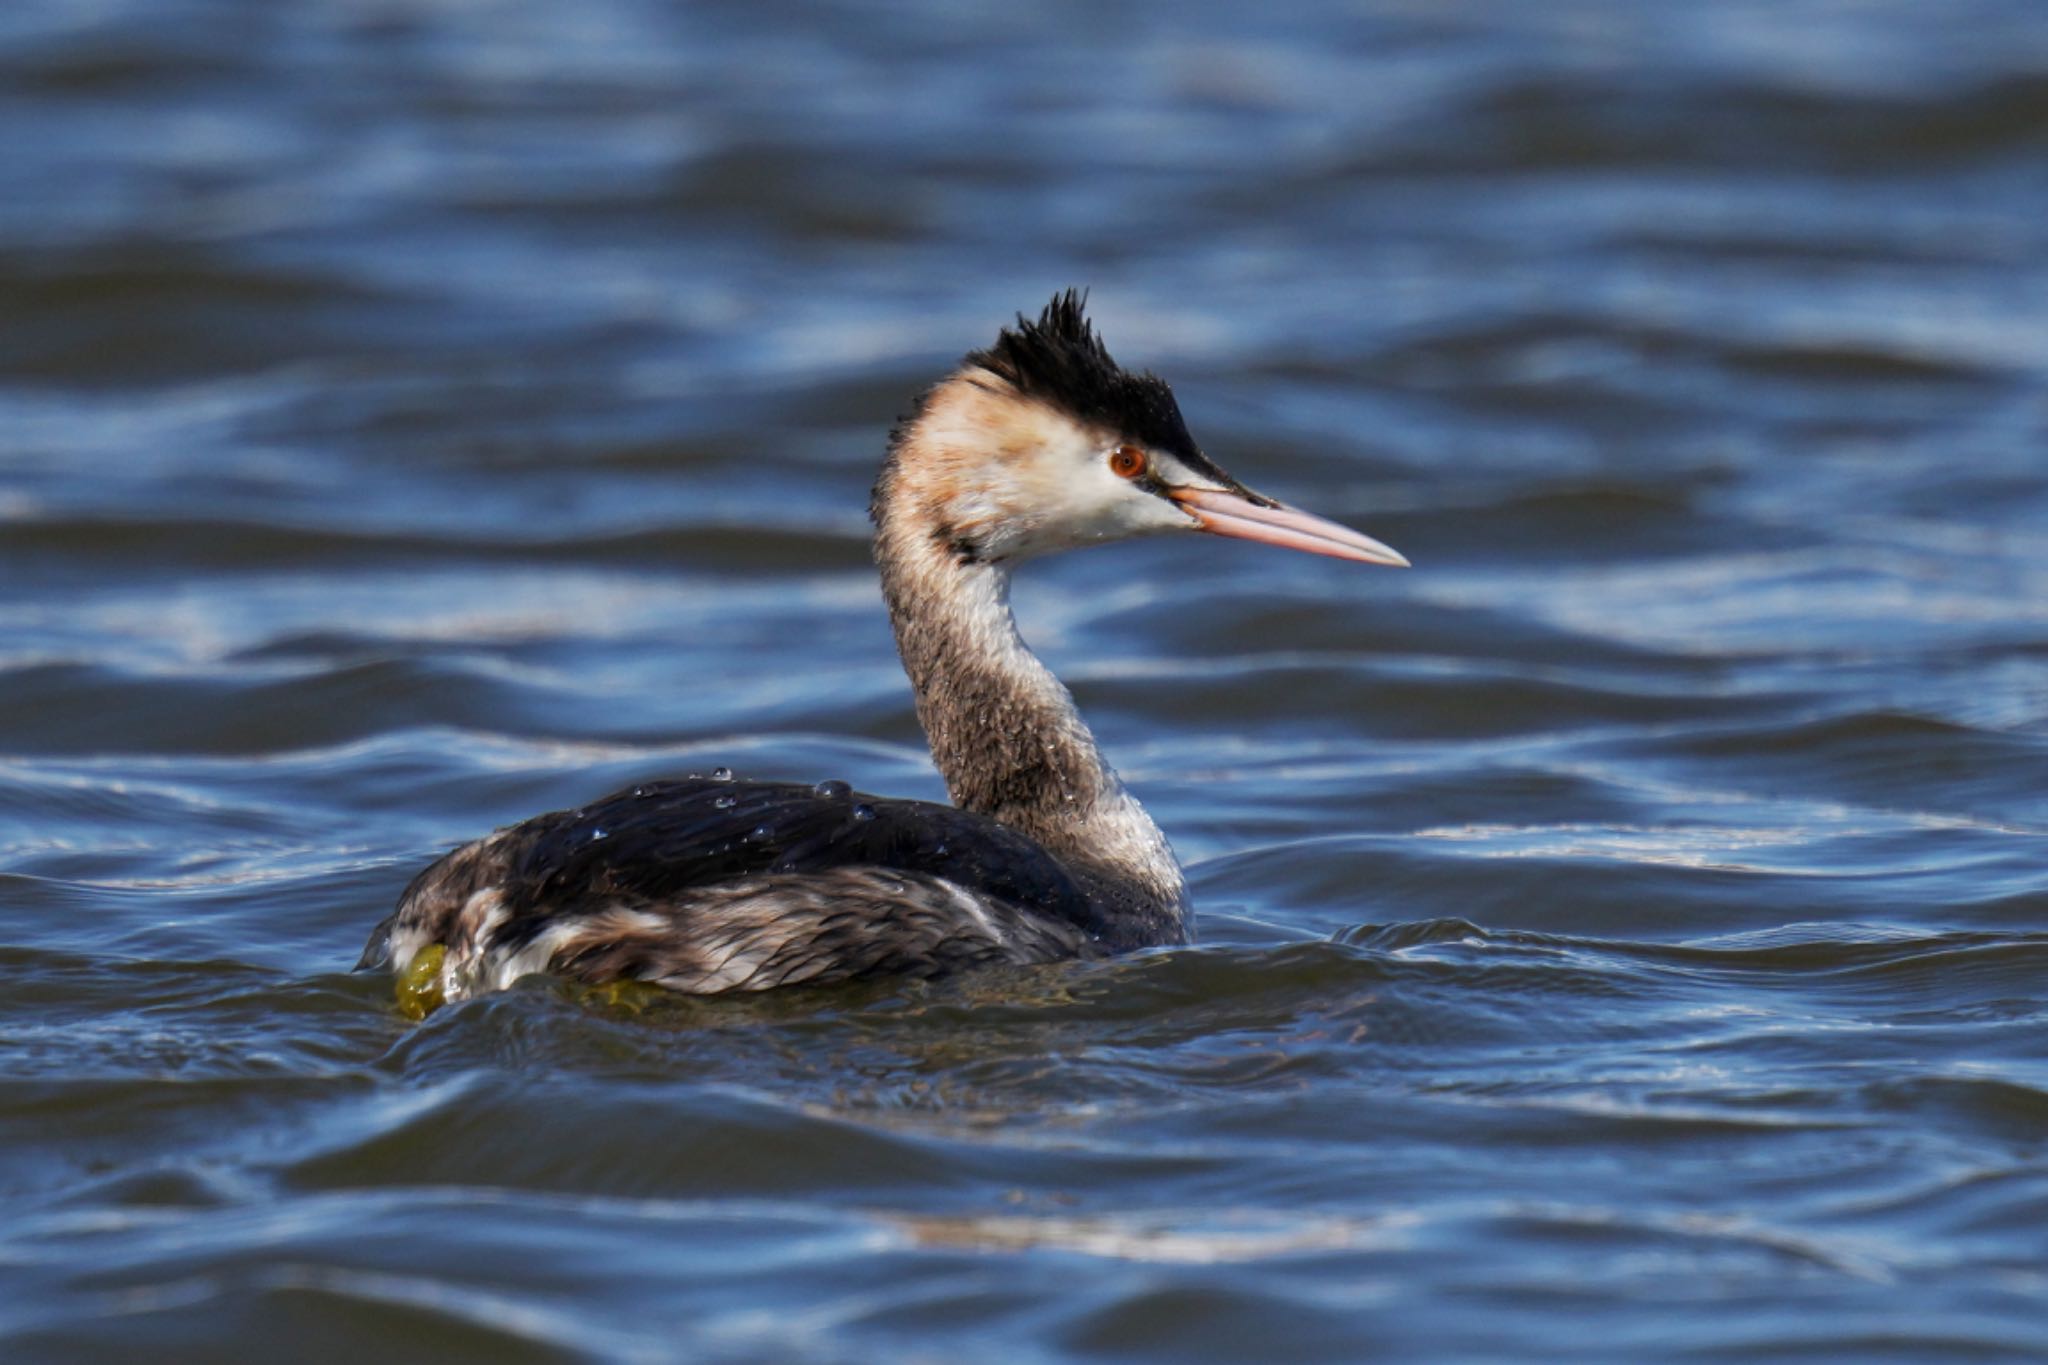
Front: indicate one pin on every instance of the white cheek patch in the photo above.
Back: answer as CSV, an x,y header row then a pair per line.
x,y
1077,499
1024,478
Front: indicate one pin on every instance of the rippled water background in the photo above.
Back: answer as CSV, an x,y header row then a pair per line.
x,y
1624,934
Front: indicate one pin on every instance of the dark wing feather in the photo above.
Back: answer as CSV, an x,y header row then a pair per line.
x,y
657,843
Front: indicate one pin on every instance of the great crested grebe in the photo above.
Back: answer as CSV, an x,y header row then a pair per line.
x,y
711,884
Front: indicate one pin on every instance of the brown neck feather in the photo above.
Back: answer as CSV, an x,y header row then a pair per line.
x,y
1005,733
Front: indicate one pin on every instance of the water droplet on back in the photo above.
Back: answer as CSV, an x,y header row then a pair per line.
x,y
725,801
863,811
595,835
831,789
721,774
760,833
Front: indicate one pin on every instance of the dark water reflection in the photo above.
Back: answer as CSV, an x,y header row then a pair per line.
x,y
1624,934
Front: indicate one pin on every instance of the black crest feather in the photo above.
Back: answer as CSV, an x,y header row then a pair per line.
x,y
1060,360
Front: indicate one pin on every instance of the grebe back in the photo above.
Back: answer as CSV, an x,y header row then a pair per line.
x,y
709,884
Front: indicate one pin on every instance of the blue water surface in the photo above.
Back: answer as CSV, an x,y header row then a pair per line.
x,y
1623,935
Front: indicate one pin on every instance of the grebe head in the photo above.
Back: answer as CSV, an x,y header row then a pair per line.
x,y
1043,442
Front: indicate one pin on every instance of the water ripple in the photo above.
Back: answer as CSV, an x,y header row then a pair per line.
x,y
1620,936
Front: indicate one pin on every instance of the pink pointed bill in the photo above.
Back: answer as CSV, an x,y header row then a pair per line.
x,y
1229,514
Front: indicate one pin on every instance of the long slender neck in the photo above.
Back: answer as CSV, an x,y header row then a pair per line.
x,y
1005,733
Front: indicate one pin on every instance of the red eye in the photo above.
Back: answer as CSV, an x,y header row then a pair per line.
x,y
1127,462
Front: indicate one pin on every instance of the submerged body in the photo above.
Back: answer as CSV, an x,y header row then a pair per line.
x,y
714,884
705,885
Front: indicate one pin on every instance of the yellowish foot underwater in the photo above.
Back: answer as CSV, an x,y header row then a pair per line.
x,y
419,985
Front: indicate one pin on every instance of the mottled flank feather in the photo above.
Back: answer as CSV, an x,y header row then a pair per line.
x,y
811,928
708,885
